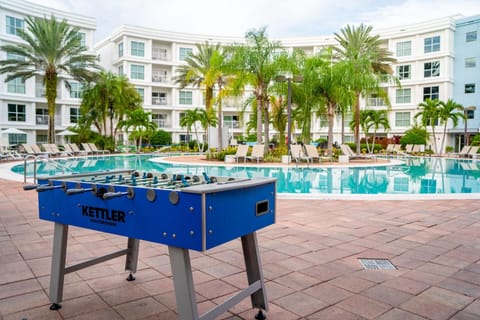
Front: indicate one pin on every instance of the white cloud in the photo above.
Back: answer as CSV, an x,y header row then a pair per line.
x,y
284,18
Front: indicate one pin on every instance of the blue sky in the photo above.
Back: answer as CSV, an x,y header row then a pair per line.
x,y
283,18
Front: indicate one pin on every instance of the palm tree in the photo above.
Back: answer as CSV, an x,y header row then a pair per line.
x,y
141,125
189,120
207,69
429,114
368,65
279,118
257,64
199,70
377,119
449,110
51,49
107,101
207,119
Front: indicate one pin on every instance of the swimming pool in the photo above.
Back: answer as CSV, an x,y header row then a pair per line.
x,y
413,176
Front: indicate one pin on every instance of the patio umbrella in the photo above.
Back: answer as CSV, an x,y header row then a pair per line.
x,y
12,130
65,134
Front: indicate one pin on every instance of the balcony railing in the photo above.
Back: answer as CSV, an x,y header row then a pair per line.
x,y
159,79
162,123
159,101
41,119
232,124
160,56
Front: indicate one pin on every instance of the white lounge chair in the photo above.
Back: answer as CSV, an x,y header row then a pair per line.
x,y
242,151
257,152
296,151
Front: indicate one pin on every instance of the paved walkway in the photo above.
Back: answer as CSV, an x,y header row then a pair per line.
x,y
310,262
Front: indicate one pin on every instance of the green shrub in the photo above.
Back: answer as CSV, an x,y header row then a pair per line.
x,y
414,135
475,141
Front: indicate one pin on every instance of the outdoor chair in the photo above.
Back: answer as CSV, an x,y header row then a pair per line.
x,y
257,152
242,151
473,152
352,155
463,152
94,148
312,152
296,151
73,147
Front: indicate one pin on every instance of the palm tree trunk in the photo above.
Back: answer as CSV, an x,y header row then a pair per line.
x,y
220,126
259,119
357,122
331,117
51,92
266,130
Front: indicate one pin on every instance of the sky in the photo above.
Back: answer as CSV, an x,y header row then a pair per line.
x,y
283,18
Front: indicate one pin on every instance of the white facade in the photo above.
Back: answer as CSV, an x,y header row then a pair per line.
x,y
425,54
24,106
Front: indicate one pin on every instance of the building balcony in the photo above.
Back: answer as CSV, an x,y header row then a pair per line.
x,y
160,79
159,101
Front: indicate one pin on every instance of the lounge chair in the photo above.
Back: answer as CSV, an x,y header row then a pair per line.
x,y
242,151
352,155
33,149
257,153
73,147
409,148
8,154
296,151
94,148
312,152
473,152
463,152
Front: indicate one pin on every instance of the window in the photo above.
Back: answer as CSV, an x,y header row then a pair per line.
x,y
83,38
17,112
470,88
160,119
120,70
120,49
430,93
470,62
137,49
404,72
185,138
141,92
14,56
17,138
402,119
185,97
159,97
13,25
159,53
404,48
137,72
471,36
470,113
16,85
41,116
404,95
184,52
431,44
431,69
76,90
323,122
74,114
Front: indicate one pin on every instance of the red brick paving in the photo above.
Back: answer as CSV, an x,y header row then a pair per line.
x,y
309,261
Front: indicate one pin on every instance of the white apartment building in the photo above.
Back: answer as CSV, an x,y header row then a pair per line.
x,y
22,104
425,54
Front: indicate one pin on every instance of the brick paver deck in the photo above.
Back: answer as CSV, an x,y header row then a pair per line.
x,y
309,261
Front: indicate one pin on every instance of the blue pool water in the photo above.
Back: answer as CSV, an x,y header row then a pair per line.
x,y
412,176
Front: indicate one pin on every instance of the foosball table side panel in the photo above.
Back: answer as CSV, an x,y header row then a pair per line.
x,y
157,221
234,213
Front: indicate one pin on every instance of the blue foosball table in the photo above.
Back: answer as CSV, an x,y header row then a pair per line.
x,y
184,212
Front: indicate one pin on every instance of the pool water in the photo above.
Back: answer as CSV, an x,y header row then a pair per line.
x,y
413,176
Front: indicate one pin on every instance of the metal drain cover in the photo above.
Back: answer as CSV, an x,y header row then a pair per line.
x,y
377,264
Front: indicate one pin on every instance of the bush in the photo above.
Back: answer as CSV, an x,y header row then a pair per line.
x,y
161,138
414,135
475,141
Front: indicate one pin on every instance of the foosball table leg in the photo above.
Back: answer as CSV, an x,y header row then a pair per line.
x,y
59,253
183,283
132,257
254,273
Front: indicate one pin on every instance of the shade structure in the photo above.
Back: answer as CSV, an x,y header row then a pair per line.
x,y
12,130
66,133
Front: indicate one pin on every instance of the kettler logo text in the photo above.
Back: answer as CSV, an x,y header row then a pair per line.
x,y
103,215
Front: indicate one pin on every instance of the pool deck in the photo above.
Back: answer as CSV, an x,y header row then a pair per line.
x,y
309,257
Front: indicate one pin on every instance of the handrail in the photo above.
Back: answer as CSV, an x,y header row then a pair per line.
x,y
35,159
